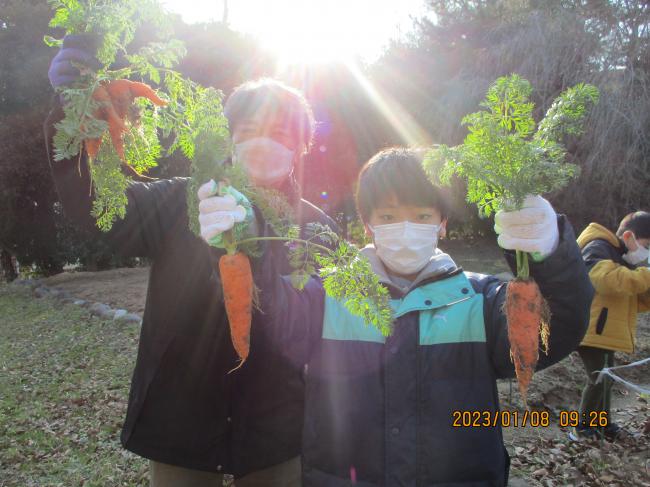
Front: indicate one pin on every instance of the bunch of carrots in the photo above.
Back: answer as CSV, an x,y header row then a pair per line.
x,y
116,99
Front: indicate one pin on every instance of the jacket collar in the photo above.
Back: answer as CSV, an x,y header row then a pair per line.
x,y
439,266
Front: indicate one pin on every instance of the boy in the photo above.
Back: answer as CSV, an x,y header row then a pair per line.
x,y
616,264
379,411
186,414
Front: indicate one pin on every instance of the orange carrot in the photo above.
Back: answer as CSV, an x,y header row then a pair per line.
x,y
526,310
237,282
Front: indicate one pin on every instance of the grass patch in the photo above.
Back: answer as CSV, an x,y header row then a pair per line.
x,y
64,383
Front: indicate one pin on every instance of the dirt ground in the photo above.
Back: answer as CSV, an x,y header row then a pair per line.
x,y
127,287
119,288
545,456
540,455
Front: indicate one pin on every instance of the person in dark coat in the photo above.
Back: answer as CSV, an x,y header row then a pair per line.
x,y
387,411
186,413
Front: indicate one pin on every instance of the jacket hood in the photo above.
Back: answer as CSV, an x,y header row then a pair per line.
x,y
439,264
596,231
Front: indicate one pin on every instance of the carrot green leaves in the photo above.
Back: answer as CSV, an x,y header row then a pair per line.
x,y
504,158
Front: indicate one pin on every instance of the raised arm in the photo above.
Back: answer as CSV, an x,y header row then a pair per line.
x,y
153,209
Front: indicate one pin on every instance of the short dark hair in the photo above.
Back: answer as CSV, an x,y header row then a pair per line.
x,y
397,172
274,97
638,222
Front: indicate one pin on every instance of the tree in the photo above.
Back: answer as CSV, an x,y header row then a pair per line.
x,y
27,228
554,44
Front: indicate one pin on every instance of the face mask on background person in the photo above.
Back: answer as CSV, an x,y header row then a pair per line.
x,y
636,257
405,247
267,162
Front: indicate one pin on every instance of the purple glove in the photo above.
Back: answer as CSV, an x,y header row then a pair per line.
x,y
78,48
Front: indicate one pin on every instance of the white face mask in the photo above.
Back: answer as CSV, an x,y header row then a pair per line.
x,y
266,161
635,257
405,247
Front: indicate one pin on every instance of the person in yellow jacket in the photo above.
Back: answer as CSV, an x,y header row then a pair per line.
x,y
617,265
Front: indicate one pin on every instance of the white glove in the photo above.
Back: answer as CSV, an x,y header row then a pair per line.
x,y
217,214
532,229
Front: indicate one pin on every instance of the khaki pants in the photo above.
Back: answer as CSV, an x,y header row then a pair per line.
x,y
285,474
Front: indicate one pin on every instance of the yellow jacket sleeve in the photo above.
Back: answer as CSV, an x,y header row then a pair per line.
x,y
608,277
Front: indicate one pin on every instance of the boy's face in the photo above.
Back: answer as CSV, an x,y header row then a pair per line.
x,y
263,170
633,243
392,211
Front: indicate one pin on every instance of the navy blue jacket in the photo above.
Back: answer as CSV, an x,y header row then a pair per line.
x,y
379,410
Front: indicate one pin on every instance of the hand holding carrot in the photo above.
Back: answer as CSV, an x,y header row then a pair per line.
x,y
222,208
218,214
532,229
